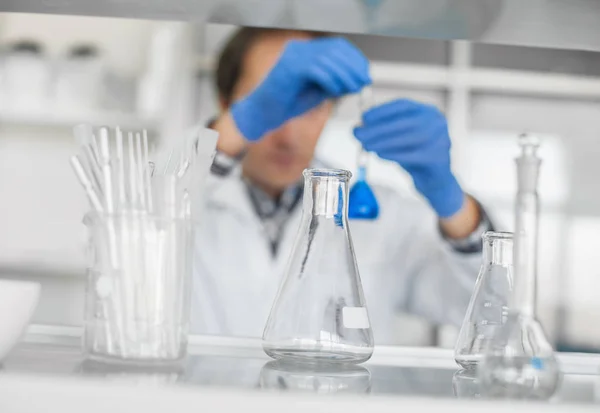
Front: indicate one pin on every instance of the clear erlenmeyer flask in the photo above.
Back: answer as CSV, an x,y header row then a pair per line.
x,y
319,313
488,307
519,362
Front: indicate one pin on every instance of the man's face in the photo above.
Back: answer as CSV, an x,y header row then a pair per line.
x,y
278,159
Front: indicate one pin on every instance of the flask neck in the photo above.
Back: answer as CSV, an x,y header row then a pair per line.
x,y
498,248
326,194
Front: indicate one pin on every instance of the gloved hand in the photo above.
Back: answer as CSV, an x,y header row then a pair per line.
x,y
307,73
416,137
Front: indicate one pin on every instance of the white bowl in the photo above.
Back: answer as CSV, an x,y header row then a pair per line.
x,y
18,300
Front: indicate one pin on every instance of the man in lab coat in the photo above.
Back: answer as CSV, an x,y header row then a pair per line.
x,y
276,92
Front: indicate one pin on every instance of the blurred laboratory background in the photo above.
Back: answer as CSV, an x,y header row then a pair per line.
x,y
56,71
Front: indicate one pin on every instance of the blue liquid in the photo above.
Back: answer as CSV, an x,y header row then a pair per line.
x,y
537,363
338,217
362,203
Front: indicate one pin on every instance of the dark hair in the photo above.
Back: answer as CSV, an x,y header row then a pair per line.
x,y
231,59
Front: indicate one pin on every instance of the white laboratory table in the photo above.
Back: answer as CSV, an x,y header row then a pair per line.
x,y
48,373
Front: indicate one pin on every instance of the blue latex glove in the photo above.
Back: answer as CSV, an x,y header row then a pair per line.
x,y
307,73
416,137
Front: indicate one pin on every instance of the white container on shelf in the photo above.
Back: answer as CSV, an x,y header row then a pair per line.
x,y
26,78
156,83
80,80
18,300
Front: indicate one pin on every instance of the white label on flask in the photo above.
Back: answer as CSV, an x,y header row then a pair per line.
x,y
355,317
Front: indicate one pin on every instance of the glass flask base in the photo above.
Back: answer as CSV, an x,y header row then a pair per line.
x,y
469,362
520,377
520,363
313,354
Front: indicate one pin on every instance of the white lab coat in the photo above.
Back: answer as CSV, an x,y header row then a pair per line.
x,y
404,264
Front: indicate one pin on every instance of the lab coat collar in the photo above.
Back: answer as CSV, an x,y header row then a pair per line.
x,y
230,192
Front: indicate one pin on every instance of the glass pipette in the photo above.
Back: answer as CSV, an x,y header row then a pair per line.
x,y
362,203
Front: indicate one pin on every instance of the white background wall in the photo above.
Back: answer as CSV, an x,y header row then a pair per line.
x,y
40,213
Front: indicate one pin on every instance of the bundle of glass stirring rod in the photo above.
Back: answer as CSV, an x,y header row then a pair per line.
x,y
139,223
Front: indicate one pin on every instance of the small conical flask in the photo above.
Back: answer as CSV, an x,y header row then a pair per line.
x,y
319,313
488,307
519,362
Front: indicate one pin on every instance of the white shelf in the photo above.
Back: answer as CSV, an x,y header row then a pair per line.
x,y
472,78
534,83
383,355
412,75
488,80
71,118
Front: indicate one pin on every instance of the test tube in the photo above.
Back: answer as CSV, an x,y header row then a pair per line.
x,y
365,102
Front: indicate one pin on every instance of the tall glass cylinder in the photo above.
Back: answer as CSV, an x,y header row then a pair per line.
x,y
519,362
523,300
320,312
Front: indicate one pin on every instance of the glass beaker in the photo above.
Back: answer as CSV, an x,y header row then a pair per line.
x,y
321,379
319,313
519,362
488,307
138,288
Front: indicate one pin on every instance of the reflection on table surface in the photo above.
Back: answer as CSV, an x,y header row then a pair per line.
x,y
261,373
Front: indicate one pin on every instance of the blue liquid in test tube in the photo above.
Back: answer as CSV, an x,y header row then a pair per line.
x,y
362,203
